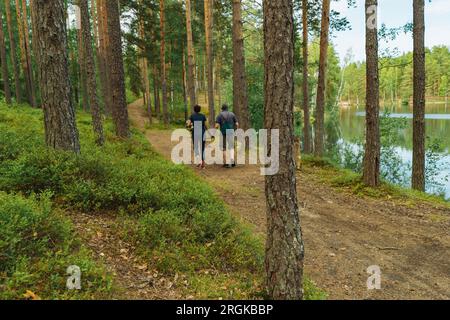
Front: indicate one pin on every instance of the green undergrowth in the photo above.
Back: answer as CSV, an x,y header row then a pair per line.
x,y
175,220
36,248
347,180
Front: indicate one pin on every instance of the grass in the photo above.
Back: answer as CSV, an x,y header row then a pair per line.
x,y
37,246
175,220
344,179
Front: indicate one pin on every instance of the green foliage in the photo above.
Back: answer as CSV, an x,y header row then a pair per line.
x,y
175,220
347,180
434,166
312,292
393,168
37,246
396,77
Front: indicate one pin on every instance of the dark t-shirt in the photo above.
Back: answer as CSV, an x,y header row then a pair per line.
x,y
198,117
227,120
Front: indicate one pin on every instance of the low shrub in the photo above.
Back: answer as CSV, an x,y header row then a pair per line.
x,y
36,248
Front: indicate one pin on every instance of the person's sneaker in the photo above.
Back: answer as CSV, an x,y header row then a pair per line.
x,y
233,165
228,166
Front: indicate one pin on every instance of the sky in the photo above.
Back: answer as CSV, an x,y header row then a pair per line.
x,y
394,13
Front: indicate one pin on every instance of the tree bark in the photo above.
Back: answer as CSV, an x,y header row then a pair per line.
x,y
5,73
418,174
156,91
371,169
147,89
284,245
59,114
12,45
218,80
183,70
90,74
102,54
26,30
191,57
208,5
320,102
144,73
163,62
116,73
23,52
82,70
240,95
307,144
94,26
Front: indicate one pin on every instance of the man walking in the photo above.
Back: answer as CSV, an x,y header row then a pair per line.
x,y
227,122
197,125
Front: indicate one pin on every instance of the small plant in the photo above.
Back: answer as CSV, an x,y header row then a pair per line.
x,y
435,163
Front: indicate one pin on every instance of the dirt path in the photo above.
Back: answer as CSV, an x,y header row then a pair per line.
x,y
344,234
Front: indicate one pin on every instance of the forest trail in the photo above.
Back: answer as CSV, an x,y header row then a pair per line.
x,y
344,234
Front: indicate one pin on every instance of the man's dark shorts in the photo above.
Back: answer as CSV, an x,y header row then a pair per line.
x,y
227,142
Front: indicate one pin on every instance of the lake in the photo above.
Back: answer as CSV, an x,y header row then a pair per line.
x,y
352,121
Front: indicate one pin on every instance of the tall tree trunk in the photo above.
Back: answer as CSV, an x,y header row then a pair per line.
x,y
371,170
218,87
26,31
307,144
208,5
59,114
73,70
156,91
12,45
144,72
240,98
163,62
5,73
34,43
284,244
183,70
191,58
116,74
418,174
102,54
147,89
94,26
90,75
320,102
82,65
23,52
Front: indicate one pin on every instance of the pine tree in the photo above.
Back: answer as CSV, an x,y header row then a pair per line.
x,y
116,73
240,95
320,103
4,62
371,166
89,67
284,244
418,174
59,114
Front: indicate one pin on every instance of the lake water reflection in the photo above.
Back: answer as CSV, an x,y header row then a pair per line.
x,y
352,121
